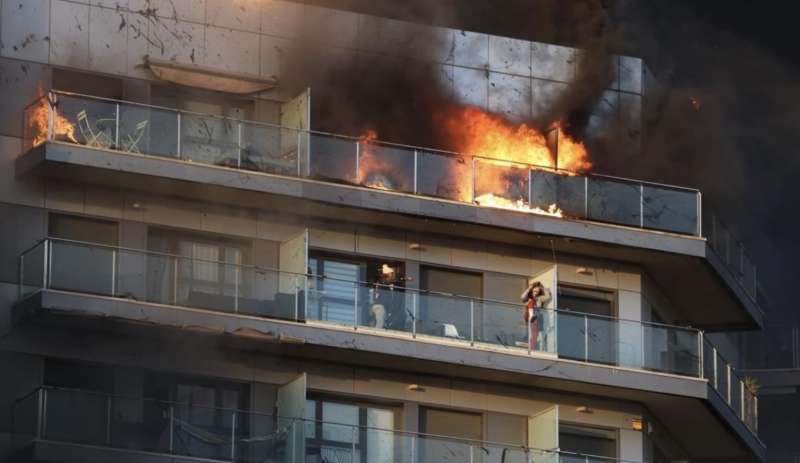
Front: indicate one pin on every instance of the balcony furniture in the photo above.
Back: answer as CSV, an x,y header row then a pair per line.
x,y
131,141
94,137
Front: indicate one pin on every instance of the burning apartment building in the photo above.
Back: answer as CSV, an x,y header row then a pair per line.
x,y
271,231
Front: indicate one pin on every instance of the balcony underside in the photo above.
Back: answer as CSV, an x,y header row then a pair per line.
x,y
702,422
679,264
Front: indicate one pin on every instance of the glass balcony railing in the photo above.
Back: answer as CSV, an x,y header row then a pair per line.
x,y
218,434
424,315
260,147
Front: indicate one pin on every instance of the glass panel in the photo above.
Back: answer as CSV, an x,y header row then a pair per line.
x,y
670,210
338,443
602,340
386,167
33,270
260,295
140,424
148,130
259,439
500,324
332,158
501,184
384,307
85,122
671,350
206,284
26,415
630,347
131,276
269,149
202,432
63,406
614,202
209,140
565,191
722,377
571,335
334,300
80,268
736,394
748,275
708,362
432,449
444,316
444,176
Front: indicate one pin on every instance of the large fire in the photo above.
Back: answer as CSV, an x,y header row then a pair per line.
x,y
502,155
39,121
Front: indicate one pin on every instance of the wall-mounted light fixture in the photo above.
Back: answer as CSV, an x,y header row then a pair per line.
x,y
637,424
584,409
584,271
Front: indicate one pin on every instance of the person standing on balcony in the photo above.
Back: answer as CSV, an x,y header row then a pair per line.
x,y
535,297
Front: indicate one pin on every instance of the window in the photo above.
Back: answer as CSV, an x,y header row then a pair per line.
x,y
210,274
77,228
441,314
586,300
338,428
590,333
588,440
339,294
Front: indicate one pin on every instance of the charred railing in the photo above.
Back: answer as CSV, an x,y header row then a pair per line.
x,y
259,147
168,279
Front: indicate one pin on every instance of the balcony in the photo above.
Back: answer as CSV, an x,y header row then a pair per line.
x,y
113,426
168,150
146,285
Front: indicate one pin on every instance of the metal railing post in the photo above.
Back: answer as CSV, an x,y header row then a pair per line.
x,y
358,160
716,369
299,143
47,279
180,155
21,285
530,187
296,298
641,205
700,352
641,340
416,170
741,399
171,428
43,431
113,272
236,289
355,305
472,322
239,147
108,419
728,373
116,128
233,436
586,337
474,172
699,214
414,315
175,280
40,414
586,197
413,448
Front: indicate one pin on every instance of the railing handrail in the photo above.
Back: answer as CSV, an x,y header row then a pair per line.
x,y
368,285
376,142
172,403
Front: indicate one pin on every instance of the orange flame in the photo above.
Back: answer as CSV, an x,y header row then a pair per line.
x,y
375,172
39,122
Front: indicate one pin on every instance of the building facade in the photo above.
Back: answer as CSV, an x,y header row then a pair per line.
x,y
190,272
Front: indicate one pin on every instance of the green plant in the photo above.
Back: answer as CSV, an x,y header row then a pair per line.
x,y
751,384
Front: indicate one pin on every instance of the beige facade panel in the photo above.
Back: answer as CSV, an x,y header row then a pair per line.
x,y
108,41
242,15
27,191
471,49
69,40
24,29
511,56
232,51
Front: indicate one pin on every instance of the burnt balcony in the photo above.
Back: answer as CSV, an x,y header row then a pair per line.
x,y
662,227
90,280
